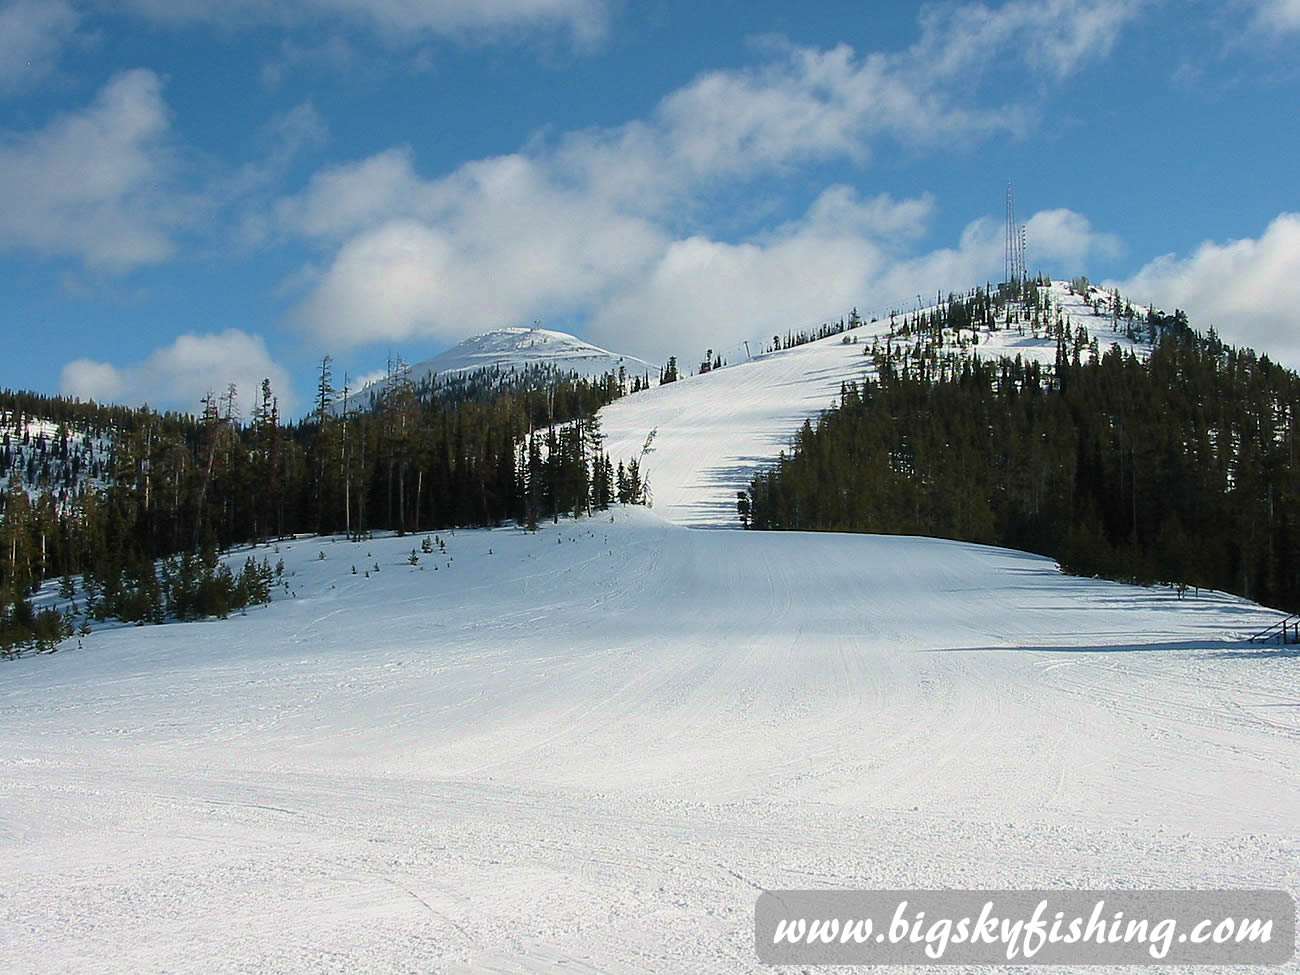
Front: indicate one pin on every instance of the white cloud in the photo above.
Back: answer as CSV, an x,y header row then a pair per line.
x,y
1054,36
977,257
32,35
1279,14
1060,241
702,293
839,211
399,21
90,183
600,222
290,132
498,243
843,253
89,379
1249,289
491,245
1067,239
383,284
352,197
805,104
179,375
283,139
103,184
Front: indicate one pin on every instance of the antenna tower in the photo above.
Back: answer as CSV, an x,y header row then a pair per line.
x,y
1015,259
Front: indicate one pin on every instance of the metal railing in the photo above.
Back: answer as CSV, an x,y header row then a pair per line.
x,y
1287,630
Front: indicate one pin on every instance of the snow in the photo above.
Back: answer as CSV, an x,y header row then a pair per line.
x,y
588,750
35,442
515,349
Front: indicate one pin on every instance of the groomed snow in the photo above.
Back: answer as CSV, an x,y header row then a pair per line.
x,y
587,750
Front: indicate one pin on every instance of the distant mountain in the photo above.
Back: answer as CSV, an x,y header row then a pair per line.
x,y
517,350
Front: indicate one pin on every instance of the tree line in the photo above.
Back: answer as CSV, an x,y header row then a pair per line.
x,y
478,450
1179,467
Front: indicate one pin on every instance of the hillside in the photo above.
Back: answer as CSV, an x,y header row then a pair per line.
x,y
589,748
51,458
712,432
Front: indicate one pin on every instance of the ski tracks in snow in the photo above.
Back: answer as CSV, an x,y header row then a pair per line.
x,y
590,754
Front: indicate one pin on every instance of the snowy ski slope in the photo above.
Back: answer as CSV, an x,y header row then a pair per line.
x,y
713,431
587,750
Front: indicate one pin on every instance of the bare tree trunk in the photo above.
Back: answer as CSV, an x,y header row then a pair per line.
x,y
419,492
401,497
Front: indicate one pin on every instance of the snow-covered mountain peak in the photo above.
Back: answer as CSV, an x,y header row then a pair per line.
x,y
517,349
524,343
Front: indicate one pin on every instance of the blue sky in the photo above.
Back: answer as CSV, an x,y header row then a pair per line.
x,y
199,192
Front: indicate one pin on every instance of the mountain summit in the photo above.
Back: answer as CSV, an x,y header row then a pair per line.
x,y
518,349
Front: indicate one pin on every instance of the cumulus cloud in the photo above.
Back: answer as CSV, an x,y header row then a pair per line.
x,y
1247,289
90,183
397,20
805,103
498,241
352,197
602,222
1067,239
706,293
89,379
844,252
489,246
179,375
32,36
